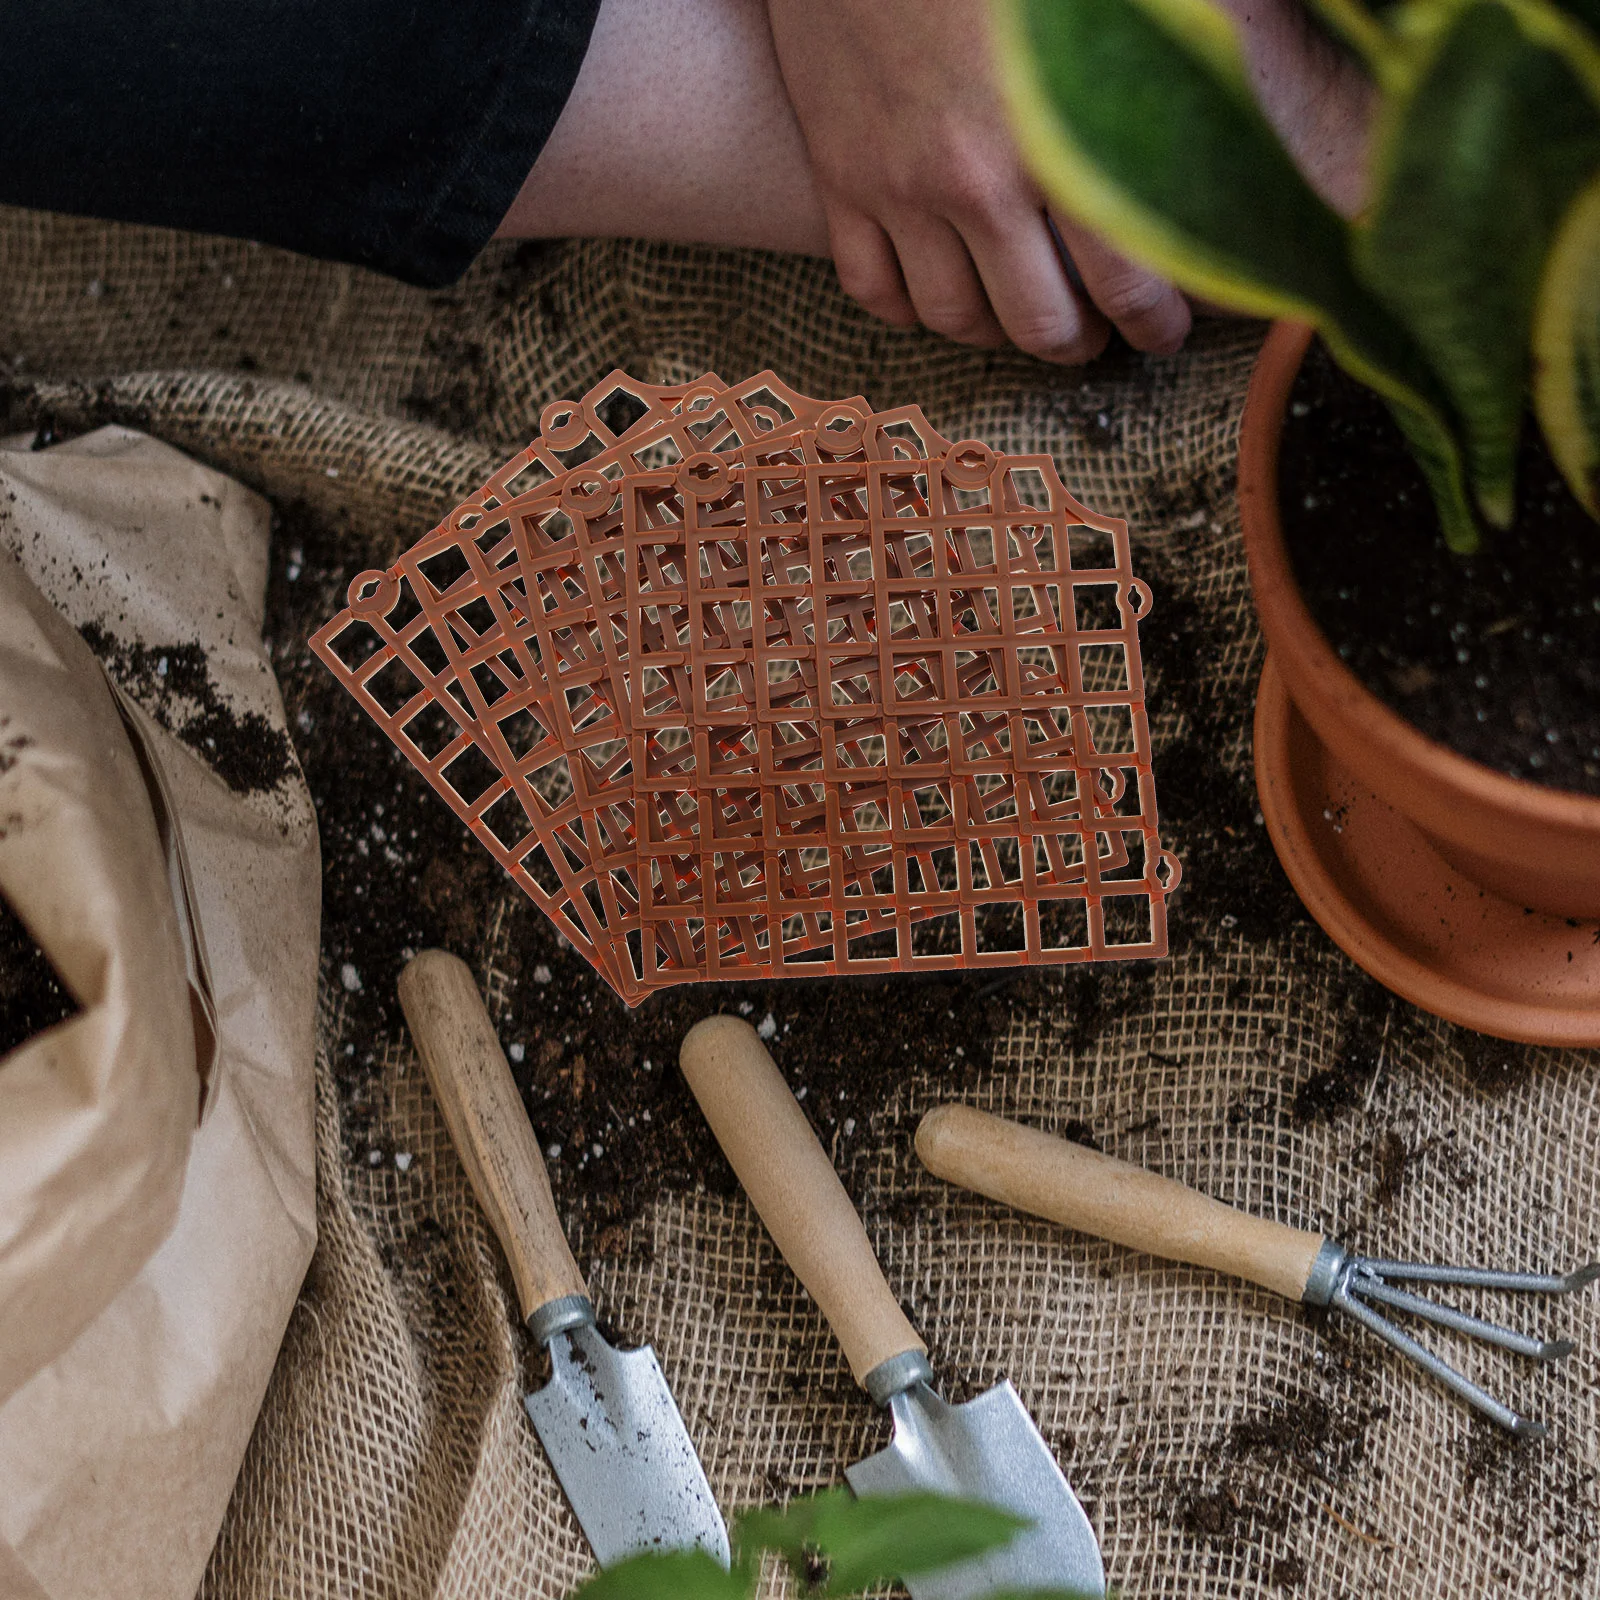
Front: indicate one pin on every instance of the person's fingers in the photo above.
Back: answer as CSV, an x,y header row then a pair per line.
x,y
1148,312
1027,286
869,270
943,283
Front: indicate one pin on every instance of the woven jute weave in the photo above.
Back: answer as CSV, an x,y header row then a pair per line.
x,y
1224,1442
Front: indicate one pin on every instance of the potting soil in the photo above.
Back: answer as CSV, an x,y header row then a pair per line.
x,y
1496,654
1224,1442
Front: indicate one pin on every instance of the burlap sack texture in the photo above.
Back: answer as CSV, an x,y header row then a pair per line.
x,y
1224,1442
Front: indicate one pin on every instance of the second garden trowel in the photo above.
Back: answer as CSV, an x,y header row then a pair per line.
x,y
606,1418
988,1449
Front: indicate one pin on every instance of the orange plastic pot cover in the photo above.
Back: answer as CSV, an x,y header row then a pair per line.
x,y
739,684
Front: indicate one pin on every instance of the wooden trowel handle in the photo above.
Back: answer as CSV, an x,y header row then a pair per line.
x,y
472,1082
1099,1195
793,1186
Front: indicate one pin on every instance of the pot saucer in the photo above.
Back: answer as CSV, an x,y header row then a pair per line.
x,y
1391,902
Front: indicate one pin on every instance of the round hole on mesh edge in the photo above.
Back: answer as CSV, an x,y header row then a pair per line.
x,y
562,425
839,429
704,475
587,493
969,464
372,595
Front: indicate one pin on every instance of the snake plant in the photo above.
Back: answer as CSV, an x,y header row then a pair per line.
x,y
1473,274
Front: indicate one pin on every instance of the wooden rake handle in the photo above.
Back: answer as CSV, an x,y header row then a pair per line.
x,y
472,1082
792,1184
1099,1195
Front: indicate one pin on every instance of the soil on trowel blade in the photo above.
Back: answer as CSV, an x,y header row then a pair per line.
x,y
1497,654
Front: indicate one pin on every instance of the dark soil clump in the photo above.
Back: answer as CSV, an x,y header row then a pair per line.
x,y
1210,817
1496,655
31,996
173,683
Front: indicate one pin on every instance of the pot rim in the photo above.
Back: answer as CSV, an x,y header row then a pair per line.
x,y
1324,675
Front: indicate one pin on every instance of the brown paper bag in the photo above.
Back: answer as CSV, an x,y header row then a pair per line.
x,y
156,1159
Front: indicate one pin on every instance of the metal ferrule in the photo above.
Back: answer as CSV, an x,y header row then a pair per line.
x,y
897,1374
1326,1273
559,1316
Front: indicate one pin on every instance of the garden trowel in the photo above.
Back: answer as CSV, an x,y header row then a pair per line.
x,y
988,1449
606,1418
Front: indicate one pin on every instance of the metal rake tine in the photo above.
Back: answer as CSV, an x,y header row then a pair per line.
x,y
1483,1277
1522,1344
1513,1421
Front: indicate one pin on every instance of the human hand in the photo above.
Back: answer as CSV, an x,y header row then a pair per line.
x,y
931,215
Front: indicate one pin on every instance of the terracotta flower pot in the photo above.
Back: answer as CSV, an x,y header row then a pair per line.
x,y
1473,893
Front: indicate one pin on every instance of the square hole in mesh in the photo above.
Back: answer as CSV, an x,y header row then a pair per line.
x,y
393,686
992,799
937,936
432,730
1089,548
429,652
721,688
473,621
472,774
975,550
914,614
507,821
1120,788
522,731
1063,924
355,645
490,679
1111,730
1006,854
743,942
910,554
918,678
1029,486
930,806
1059,858
867,816
978,674
860,747
552,782
1128,919
1095,608
842,495
1123,856
881,945
444,568
1036,607
1040,669
741,875
619,410
1104,668
1000,928
536,863
852,681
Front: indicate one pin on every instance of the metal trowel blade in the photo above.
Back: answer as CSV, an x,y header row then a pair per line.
x,y
608,1423
988,1449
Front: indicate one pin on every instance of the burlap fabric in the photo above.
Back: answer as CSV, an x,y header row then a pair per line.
x,y
1224,1442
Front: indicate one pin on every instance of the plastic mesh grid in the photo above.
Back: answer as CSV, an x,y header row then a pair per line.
x,y
741,684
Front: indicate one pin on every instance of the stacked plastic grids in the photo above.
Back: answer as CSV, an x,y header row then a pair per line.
x,y
739,684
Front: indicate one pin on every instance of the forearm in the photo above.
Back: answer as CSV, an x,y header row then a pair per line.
x,y
678,128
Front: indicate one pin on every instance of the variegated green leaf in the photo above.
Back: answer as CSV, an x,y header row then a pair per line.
x,y
1478,159
1566,344
1137,117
